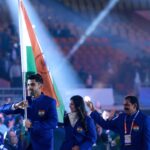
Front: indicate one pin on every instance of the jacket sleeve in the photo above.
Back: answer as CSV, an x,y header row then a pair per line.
x,y
146,134
50,122
7,109
106,124
91,135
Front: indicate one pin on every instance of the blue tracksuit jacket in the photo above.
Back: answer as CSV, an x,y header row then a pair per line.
x,y
77,136
43,115
140,135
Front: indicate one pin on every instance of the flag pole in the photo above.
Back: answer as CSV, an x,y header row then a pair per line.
x,y
23,61
24,93
39,64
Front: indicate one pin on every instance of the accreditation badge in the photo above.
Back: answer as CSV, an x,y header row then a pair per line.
x,y
127,139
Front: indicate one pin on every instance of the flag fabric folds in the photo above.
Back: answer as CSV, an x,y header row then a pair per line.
x,y
33,60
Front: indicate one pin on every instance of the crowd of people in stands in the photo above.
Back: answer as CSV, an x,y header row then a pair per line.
x,y
125,77
115,72
10,65
133,74
12,133
59,31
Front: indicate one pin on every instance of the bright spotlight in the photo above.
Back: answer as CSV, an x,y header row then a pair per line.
x,y
87,99
93,26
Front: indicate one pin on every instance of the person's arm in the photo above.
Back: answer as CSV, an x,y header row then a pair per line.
x,y
146,134
50,122
11,108
106,124
91,135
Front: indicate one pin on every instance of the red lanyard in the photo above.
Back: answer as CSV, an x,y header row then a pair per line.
x,y
125,124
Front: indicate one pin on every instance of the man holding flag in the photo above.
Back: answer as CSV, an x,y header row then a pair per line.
x,y
41,114
33,60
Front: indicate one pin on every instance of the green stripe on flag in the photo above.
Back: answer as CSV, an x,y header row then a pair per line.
x,y
31,67
60,108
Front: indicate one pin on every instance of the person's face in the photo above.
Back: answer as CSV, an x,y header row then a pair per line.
x,y
72,106
34,88
129,108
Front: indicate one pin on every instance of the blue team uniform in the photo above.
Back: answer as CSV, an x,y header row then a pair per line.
x,y
43,115
78,136
140,134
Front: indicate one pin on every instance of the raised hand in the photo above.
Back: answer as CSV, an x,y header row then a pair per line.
x,y
111,114
90,105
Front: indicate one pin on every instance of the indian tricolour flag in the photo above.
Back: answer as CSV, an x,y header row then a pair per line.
x,y
32,58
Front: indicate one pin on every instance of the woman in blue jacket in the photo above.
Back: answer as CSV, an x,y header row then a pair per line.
x,y
80,131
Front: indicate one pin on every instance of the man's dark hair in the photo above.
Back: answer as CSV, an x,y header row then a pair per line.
x,y
37,77
133,100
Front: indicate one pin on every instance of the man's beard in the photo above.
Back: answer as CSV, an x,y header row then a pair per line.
x,y
31,93
126,109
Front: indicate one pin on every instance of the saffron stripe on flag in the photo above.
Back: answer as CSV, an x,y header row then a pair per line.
x,y
36,63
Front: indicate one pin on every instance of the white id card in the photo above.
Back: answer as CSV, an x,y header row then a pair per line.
x,y
127,139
